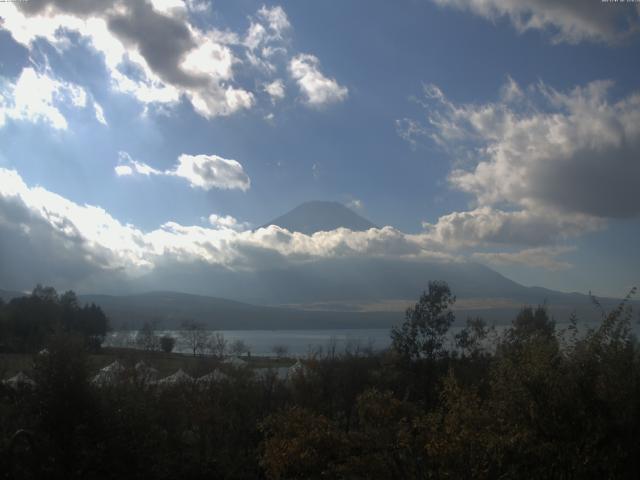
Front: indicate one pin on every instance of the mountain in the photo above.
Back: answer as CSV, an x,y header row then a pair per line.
x,y
7,295
347,292
317,216
169,309
366,285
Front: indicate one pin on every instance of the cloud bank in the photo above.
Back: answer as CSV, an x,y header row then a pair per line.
x,y
572,152
57,237
541,165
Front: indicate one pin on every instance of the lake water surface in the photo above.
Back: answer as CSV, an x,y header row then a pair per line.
x,y
262,342
301,342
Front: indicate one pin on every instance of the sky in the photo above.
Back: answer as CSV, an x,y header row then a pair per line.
x,y
143,134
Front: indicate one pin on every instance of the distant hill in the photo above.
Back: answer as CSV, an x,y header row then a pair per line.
x,y
170,309
349,292
317,216
7,295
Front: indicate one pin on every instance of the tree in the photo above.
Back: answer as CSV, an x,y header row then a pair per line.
x,y
470,339
238,347
195,336
302,444
280,350
146,337
426,324
217,345
46,294
530,322
29,320
167,343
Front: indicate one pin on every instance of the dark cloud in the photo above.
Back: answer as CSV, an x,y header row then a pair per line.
x,y
163,41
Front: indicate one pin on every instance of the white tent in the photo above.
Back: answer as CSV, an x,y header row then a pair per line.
x,y
146,373
297,368
281,373
235,362
112,373
180,377
210,378
20,380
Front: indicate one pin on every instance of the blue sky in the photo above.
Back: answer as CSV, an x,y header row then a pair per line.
x,y
501,132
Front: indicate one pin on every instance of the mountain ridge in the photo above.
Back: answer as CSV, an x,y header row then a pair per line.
x,y
317,216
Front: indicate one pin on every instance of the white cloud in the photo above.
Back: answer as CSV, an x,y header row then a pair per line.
x,y
201,171
541,165
129,166
255,36
85,231
97,242
227,222
487,226
156,52
563,161
172,58
123,170
99,112
212,171
276,18
541,257
275,90
169,7
568,21
318,90
37,97
198,6
355,204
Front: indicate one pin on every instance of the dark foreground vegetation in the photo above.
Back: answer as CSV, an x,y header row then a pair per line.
x,y
531,402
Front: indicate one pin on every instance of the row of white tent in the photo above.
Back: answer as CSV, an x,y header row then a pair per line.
x,y
116,372
20,380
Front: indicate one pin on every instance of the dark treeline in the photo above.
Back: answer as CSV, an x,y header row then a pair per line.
x,y
26,322
531,402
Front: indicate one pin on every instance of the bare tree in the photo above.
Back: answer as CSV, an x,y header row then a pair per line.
x,y
217,345
195,336
280,350
147,338
238,347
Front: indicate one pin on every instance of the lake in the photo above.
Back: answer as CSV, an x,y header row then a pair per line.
x,y
300,343
261,342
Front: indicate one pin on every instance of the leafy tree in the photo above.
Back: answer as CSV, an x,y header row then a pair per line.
x,y
470,339
45,294
530,322
423,332
167,343
301,444
64,403
29,320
